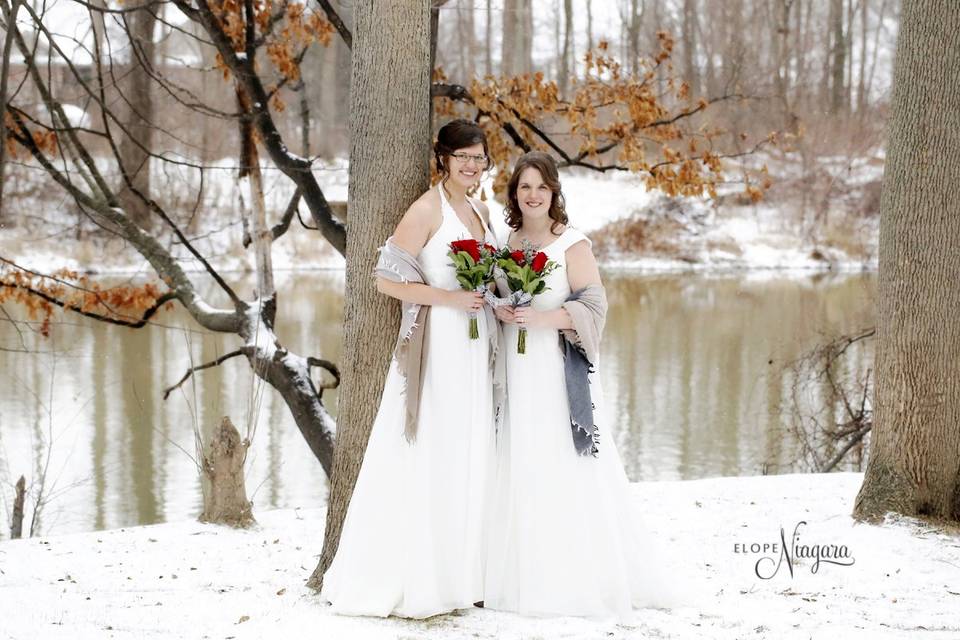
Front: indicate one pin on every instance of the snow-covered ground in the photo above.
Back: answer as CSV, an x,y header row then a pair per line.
x,y
191,580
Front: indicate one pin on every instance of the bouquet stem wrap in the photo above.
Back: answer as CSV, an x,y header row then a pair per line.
x,y
521,299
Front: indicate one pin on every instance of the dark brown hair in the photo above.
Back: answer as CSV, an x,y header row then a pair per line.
x,y
457,134
545,164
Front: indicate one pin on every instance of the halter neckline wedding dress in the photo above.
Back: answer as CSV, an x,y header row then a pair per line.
x,y
414,537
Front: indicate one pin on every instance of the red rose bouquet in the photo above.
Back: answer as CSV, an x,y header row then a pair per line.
x,y
473,263
525,271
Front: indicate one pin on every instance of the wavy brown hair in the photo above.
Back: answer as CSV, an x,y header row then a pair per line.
x,y
457,134
547,166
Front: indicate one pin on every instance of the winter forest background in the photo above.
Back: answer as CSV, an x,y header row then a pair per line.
x,y
739,341
192,193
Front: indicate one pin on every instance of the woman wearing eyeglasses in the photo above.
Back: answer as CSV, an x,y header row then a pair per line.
x,y
413,539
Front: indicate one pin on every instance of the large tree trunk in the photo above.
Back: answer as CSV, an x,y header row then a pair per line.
x,y
466,44
914,465
508,37
881,16
329,99
389,168
516,52
10,17
567,57
488,53
827,47
139,121
589,25
838,53
781,31
526,36
689,35
862,74
633,37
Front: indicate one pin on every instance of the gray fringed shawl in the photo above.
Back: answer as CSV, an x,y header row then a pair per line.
x,y
397,265
581,347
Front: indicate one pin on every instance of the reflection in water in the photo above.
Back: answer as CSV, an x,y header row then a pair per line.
x,y
693,370
693,366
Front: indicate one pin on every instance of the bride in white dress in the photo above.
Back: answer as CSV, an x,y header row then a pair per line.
x,y
563,540
414,536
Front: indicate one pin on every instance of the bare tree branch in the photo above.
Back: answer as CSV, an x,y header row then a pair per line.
x,y
337,22
132,322
330,367
161,260
280,228
242,351
296,168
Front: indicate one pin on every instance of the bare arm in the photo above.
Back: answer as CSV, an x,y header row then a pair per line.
x,y
416,227
582,269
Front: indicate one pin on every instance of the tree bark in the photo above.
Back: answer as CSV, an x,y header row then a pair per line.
x,y
389,168
16,526
516,52
781,29
566,56
589,25
914,464
689,34
225,500
329,100
838,55
466,43
10,17
526,34
488,27
848,54
862,75
256,214
137,92
828,45
881,14
800,46
558,42
633,37
508,37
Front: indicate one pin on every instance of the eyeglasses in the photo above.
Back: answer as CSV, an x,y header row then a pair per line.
x,y
464,158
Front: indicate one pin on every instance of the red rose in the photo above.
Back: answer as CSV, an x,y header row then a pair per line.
x,y
518,257
489,247
539,262
471,246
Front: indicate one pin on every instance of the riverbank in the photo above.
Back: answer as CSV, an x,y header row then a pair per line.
x,y
186,579
634,228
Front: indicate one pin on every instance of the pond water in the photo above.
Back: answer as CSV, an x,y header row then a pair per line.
x,y
694,366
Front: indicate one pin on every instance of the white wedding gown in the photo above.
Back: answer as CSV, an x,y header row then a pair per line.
x,y
414,536
563,540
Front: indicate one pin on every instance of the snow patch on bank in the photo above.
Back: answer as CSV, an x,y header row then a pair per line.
x,y
711,236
